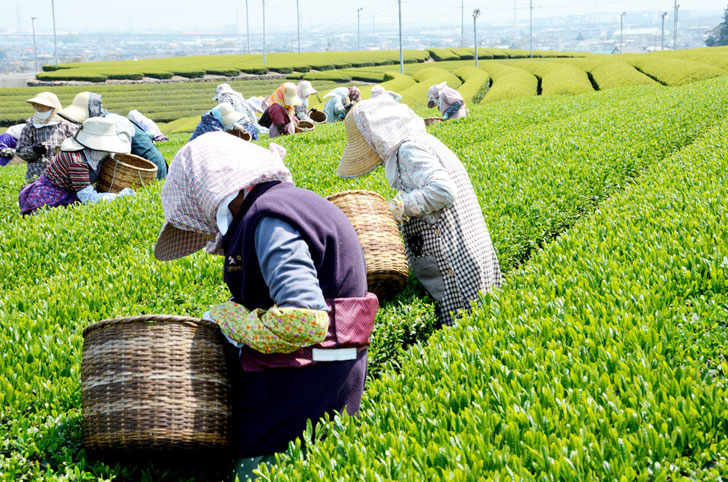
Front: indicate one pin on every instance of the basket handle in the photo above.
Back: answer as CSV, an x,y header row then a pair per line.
x,y
113,176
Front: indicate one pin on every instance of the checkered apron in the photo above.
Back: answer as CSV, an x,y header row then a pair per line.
x,y
460,243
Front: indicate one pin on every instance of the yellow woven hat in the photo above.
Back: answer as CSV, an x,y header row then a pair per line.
x,y
359,158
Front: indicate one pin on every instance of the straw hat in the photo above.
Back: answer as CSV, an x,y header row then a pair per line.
x,y
305,88
359,158
97,133
229,115
290,94
78,110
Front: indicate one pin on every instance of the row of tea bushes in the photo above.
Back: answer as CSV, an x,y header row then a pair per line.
x,y
69,267
577,369
509,83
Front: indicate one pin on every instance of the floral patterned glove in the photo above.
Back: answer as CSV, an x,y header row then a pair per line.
x,y
277,330
397,207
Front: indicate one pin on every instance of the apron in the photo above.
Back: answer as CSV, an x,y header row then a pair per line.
x,y
454,257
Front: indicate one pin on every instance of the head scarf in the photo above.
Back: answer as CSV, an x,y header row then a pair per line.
x,y
386,124
354,94
204,173
433,93
95,106
378,90
340,92
48,99
279,97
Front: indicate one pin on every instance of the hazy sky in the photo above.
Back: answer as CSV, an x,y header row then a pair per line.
x,y
338,16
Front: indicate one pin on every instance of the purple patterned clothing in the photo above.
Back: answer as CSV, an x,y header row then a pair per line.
x,y
42,192
50,136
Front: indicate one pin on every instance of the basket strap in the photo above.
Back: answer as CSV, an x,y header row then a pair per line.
x,y
113,176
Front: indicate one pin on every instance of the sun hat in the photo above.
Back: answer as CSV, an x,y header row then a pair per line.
x,y
98,133
290,94
48,99
203,174
256,103
229,115
223,89
359,158
305,89
78,110
378,90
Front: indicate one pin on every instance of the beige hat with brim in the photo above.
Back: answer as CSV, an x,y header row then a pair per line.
x,y
97,133
44,99
359,158
229,115
290,94
78,110
306,89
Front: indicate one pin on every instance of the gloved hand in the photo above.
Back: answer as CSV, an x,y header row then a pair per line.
x,y
127,191
445,116
397,207
40,149
7,152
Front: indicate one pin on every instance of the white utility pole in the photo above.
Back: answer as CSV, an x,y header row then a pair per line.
x,y
621,31
401,52
664,14
674,31
531,29
247,28
462,23
358,37
476,14
35,50
298,26
55,45
264,48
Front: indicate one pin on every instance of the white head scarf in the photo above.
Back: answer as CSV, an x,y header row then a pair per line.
x,y
433,93
386,124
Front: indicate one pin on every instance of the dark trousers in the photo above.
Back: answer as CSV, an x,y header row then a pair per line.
x,y
271,408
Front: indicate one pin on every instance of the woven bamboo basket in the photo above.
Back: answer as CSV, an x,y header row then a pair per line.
x,y
387,268
317,116
242,134
125,170
154,383
304,126
432,120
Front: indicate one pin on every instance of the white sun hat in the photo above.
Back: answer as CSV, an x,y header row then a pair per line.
x,y
229,115
305,89
97,133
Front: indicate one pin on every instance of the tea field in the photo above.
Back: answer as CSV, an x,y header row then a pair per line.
x,y
603,357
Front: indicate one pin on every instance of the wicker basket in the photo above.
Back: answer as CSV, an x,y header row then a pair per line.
x,y
387,268
319,117
304,126
125,170
432,120
242,134
154,382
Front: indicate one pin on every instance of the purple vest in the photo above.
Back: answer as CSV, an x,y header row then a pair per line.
x,y
337,256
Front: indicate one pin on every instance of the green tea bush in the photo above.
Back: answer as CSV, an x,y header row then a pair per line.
x,y
577,370
611,74
443,54
508,82
475,82
538,165
557,78
669,70
416,96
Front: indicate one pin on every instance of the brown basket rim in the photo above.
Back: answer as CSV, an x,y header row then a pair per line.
x,y
356,192
153,167
151,317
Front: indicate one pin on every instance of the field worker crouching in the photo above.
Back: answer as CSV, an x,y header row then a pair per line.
x,y
446,239
292,262
88,104
69,177
43,134
448,100
304,90
249,120
9,142
221,118
335,107
280,116
378,90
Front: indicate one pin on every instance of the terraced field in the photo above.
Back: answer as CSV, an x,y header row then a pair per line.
x,y
603,357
